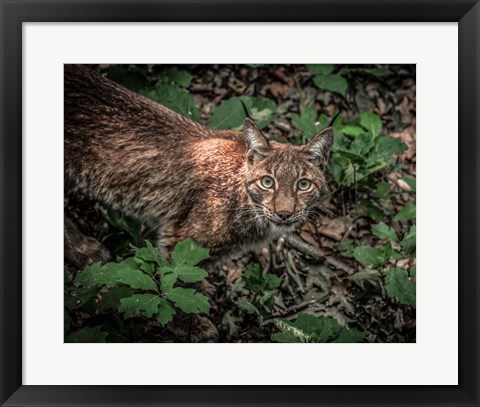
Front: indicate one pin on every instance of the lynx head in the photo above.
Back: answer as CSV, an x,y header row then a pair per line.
x,y
285,182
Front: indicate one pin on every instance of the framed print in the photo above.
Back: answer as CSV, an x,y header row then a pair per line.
x,y
234,186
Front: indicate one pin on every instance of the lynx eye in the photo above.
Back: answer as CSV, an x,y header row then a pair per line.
x,y
304,184
267,182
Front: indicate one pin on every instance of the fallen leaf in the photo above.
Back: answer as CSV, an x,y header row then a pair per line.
x,y
408,136
335,228
279,90
280,74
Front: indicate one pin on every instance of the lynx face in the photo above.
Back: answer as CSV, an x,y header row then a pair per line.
x,y
285,182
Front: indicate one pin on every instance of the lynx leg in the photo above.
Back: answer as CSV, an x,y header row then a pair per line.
x,y
167,239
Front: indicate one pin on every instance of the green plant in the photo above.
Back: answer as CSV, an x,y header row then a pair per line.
x,y
170,90
230,115
311,329
326,80
334,79
398,282
142,285
309,123
262,288
360,150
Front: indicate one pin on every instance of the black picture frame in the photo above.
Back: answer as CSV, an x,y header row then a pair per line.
x,y
15,12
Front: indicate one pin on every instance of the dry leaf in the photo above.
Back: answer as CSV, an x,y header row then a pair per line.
x,y
335,228
279,90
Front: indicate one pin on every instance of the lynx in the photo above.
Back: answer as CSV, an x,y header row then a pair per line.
x,y
228,190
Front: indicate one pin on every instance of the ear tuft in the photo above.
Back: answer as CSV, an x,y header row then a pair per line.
x,y
254,138
320,146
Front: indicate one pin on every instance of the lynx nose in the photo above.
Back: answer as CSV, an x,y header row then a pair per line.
x,y
284,215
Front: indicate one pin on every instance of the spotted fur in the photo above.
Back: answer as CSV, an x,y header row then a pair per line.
x,y
181,177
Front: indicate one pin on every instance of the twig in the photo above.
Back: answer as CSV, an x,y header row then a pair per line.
x,y
283,127
293,309
293,272
298,243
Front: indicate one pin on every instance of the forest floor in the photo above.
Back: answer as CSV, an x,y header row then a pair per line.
x,y
317,272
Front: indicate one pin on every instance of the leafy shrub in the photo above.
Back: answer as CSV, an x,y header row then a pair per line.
x,y
263,287
310,329
142,285
399,282
230,115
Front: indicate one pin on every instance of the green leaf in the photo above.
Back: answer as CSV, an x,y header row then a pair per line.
x,y
145,266
362,144
385,254
173,75
191,274
310,329
257,282
285,337
115,274
87,277
396,255
382,190
409,240
371,122
247,306
306,123
188,300
262,110
353,157
345,247
320,69
384,232
371,256
188,252
378,72
399,286
333,83
386,147
168,279
366,255
175,98
368,277
373,211
165,311
411,182
87,335
350,130
413,272
149,253
140,304
409,212
127,273
78,297
230,115
111,298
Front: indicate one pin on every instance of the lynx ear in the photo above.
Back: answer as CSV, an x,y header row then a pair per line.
x,y
320,146
255,141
